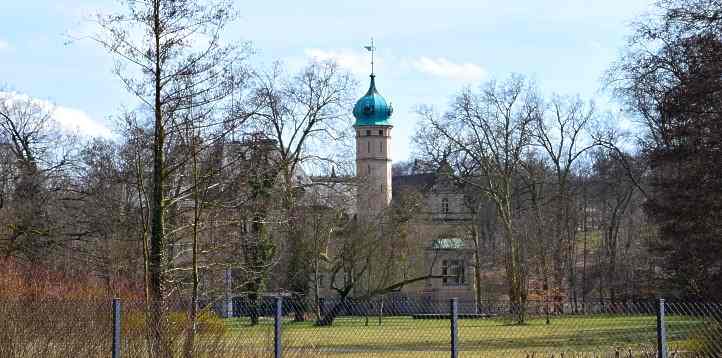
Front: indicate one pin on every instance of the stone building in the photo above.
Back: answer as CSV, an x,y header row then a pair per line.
x,y
442,228
442,225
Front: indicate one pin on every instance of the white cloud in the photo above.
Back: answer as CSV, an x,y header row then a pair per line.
x,y
4,45
442,67
76,121
354,61
358,62
70,120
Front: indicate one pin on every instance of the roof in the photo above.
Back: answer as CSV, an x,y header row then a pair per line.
x,y
372,109
421,182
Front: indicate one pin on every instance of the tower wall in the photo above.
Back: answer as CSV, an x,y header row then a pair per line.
x,y
373,168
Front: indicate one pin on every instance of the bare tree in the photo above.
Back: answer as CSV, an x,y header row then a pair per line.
x,y
614,193
487,133
306,116
483,235
562,133
669,78
178,62
367,260
37,156
136,154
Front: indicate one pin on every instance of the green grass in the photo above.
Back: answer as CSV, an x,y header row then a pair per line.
x,y
405,337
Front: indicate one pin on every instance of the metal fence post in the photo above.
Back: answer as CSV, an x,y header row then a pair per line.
x,y
277,327
454,327
116,327
661,331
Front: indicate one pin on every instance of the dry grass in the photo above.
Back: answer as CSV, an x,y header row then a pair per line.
x,y
83,329
53,315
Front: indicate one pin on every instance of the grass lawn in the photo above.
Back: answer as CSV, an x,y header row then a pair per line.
x,y
406,337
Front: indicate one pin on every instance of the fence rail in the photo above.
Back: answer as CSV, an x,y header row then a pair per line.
x,y
292,327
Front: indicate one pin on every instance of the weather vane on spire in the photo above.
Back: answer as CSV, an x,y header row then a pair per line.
x,y
371,49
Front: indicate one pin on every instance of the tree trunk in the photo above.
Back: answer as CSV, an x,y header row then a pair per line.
x,y
253,306
381,309
477,271
330,316
316,286
158,257
515,277
299,309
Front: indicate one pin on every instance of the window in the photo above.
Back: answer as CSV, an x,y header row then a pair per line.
x,y
453,272
368,132
369,146
381,132
445,206
368,169
381,147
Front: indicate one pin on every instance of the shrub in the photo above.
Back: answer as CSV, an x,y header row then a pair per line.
x,y
133,323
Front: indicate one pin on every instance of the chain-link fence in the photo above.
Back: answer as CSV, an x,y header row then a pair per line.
x,y
403,327
290,326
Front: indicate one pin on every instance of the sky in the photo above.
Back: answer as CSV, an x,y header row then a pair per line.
x,y
426,50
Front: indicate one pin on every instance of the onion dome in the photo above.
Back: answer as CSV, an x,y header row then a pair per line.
x,y
372,109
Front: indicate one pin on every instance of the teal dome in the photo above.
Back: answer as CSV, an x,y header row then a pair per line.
x,y
372,109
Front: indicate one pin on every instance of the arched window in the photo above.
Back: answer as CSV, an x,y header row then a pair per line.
x,y
445,206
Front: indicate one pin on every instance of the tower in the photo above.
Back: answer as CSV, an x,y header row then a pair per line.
x,y
373,151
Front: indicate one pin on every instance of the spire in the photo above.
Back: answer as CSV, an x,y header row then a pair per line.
x,y
372,86
372,109
371,49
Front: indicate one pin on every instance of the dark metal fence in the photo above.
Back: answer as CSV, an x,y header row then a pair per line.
x,y
291,326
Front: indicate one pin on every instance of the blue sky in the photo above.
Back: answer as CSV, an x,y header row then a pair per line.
x,y
427,50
